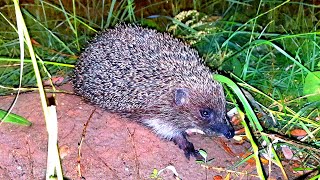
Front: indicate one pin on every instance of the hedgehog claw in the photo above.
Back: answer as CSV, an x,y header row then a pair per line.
x,y
186,146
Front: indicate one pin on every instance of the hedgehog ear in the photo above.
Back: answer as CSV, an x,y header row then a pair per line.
x,y
181,96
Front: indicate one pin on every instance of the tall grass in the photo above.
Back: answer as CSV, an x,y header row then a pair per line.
x,y
274,55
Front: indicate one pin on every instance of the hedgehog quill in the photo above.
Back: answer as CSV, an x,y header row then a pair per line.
x,y
154,79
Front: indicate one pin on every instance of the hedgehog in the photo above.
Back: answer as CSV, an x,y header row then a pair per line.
x,y
154,79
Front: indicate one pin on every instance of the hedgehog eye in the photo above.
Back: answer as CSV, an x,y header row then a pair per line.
x,y
205,113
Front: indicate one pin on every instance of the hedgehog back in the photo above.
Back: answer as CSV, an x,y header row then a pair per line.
x,y
130,67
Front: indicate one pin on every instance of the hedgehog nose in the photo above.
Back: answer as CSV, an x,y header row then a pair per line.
x,y
229,134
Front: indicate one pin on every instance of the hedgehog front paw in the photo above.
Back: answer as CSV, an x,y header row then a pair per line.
x,y
186,146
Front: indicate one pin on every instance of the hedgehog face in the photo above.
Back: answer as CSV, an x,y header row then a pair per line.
x,y
213,123
207,120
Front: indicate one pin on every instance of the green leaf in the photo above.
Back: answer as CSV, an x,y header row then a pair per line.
x,y
14,119
312,86
154,174
252,117
200,162
203,153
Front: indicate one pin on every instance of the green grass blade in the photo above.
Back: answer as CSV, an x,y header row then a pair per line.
x,y
14,119
79,19
30,61
22,27
49,31
110,14
75,24
251,115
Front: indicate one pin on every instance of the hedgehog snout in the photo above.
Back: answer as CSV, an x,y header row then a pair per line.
x,y
229,133
224,128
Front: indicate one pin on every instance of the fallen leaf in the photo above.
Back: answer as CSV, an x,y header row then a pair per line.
x,y
240,131
252,161
34,42
227,148
296,164
264,160
287,152
217,177
298,132
236,119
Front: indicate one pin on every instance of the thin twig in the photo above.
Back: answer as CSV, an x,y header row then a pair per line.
x,y
135,153
83,135
290,141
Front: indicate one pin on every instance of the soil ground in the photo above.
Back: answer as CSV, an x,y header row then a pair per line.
x,y
113,148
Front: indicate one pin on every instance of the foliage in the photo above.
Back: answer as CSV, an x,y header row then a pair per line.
x,y
15,119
